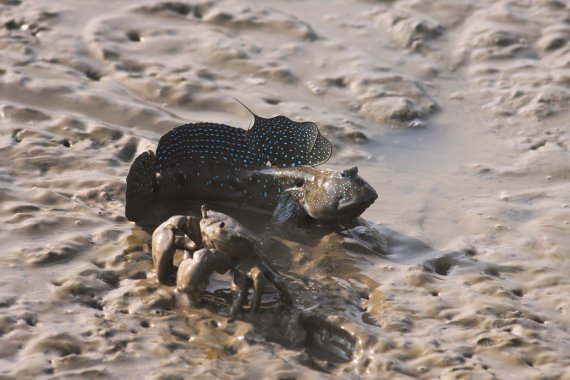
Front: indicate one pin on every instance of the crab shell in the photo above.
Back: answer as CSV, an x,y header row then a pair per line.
x,y
226,234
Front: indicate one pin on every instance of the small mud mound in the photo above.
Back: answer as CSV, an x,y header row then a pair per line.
x,y
327,340
456,263
375,239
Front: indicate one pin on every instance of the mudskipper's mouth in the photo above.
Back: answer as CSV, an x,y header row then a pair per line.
x,y
354,206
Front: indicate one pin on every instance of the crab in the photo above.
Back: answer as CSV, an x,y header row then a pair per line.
x,y
217,243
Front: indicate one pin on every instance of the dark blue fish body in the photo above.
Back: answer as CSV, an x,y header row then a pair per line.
x,y
216,162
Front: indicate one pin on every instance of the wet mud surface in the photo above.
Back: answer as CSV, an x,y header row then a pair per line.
x,y
455,112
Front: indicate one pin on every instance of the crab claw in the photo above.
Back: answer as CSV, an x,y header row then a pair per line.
x,y
193,274
178,232
163,249
193,229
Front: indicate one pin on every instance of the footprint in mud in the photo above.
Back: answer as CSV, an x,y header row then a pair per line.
x,y
326,337
332,338
327,328
461,262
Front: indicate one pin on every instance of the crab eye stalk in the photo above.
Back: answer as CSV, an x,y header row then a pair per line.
x,y
204,209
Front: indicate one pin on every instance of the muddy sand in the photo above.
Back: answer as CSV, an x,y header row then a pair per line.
x,y
455,111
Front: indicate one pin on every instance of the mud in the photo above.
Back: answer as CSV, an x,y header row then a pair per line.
x,y
456,113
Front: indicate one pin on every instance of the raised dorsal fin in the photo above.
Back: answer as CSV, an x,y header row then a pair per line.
x,y
287,143
321,152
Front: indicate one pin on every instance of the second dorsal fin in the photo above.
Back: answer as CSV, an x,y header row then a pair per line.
x,y
286,143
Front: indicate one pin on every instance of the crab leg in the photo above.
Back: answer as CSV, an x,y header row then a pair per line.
x,y
240,289
163,249
258,284
276,279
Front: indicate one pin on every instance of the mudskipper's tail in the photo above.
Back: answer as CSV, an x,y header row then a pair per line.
x,y
141,186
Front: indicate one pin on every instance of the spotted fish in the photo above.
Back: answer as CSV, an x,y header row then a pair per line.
x,y
269,167
278,141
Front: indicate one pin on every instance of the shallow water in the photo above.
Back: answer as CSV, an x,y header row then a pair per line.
x,y
456,113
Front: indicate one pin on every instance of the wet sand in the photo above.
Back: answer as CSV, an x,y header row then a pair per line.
x,y
456,113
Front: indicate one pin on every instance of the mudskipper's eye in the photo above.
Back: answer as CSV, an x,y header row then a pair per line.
x,y
222,225
299,182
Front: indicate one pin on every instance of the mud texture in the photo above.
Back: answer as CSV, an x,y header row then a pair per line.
x,y
455,111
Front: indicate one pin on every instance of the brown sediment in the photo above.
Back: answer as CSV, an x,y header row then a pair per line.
x,y
456,112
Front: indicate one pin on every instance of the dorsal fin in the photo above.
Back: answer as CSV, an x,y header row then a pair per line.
x,y
246,107
285,143
321,152
279,141
204,144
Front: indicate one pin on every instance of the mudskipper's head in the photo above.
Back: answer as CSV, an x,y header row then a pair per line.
x,y
339,196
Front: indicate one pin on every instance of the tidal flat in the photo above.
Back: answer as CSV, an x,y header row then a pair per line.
x,y
456,112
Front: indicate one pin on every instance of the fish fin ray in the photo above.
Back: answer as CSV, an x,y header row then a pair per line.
x,y
246,107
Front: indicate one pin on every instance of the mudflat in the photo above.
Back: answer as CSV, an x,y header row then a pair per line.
x,y
456,112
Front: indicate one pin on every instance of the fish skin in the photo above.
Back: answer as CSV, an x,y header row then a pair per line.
x,y
216,162
319,191
205,144
278,141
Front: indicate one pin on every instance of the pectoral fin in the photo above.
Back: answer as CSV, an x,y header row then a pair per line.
x,y
289,211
